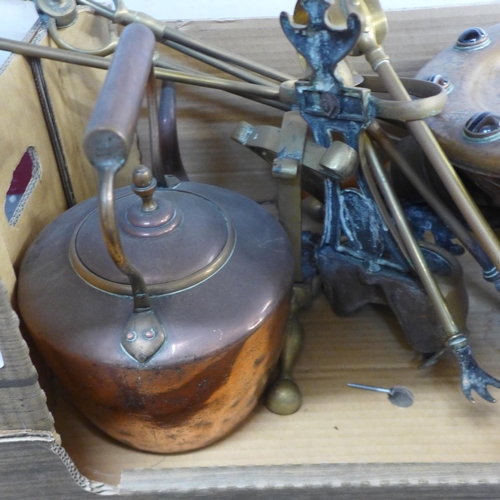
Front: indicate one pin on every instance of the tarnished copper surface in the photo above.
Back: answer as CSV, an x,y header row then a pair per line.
x,y
472,78
223,335
182,407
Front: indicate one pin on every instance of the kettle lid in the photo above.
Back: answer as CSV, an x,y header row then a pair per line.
x,y
175,238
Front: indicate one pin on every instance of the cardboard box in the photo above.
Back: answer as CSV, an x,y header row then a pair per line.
x,y
342,443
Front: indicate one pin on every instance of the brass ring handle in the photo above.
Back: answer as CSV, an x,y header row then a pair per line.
x,y
431,99
63,44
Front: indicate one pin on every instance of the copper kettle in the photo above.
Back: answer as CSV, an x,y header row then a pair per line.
x,y
165,331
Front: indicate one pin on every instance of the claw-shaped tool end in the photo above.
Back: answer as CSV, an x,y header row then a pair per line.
x,y
473,376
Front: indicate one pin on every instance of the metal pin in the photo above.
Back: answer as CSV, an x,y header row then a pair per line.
x,y
397,395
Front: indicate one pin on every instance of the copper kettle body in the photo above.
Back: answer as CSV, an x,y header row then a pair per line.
x,y
165,331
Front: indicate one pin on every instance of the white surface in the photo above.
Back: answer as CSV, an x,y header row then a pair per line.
x,y
16,19
420,4
236,9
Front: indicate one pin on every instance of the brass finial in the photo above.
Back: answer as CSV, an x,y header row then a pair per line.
x,y
144,185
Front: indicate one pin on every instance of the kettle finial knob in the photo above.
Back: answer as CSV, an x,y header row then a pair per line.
x,y
144,185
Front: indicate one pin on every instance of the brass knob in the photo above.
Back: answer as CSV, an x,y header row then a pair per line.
x,y
144,185
151,217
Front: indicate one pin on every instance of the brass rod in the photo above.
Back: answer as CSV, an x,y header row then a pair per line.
x,y
419,263
372,186
242,74
32,50
164,63
292,138
240,88
182,39
219,84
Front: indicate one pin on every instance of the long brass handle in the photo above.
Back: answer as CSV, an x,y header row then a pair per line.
x,y
107,142
110,132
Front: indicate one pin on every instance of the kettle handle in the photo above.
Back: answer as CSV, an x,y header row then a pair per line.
x,y
111,127
107,142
